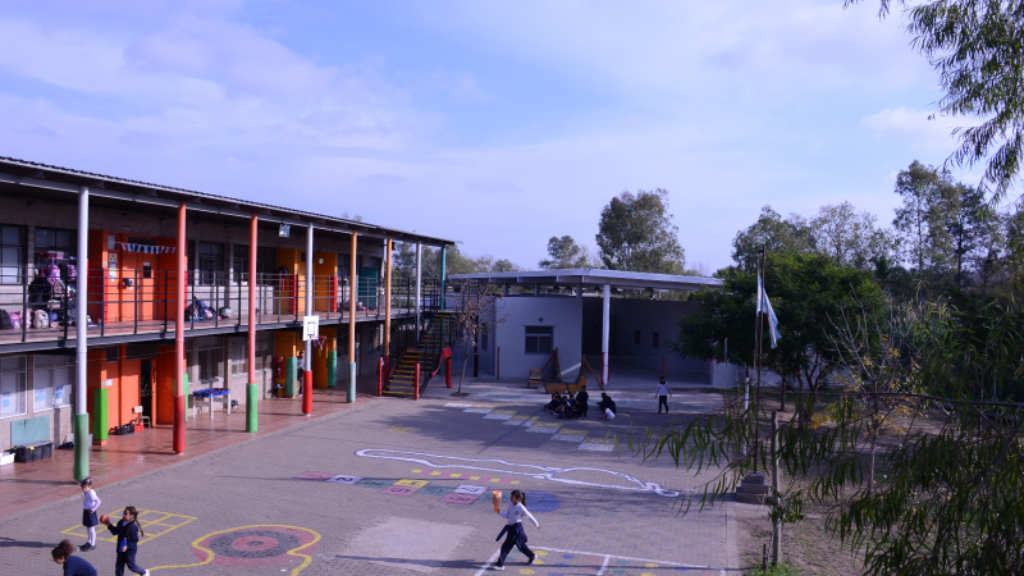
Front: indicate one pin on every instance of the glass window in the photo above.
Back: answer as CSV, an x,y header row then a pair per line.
x,y
209,262
266,259
56,246
540,339
210,359
52,381
239,357
483,341
12,250
12,386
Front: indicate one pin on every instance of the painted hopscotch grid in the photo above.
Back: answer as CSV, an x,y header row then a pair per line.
x,y
500,415
560,562
544,427
462,494
598,444
567,435
153,522
521,420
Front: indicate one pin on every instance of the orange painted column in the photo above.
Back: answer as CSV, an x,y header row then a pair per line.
x,y
181,386
251,389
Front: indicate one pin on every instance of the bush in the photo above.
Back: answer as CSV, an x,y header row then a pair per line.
x,y
780,569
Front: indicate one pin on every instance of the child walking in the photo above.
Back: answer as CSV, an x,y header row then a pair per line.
x,y
90,503
127,532
73,565
513,531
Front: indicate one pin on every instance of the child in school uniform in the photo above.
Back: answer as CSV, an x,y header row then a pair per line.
x,y
513,530
90,503
73,565
127,531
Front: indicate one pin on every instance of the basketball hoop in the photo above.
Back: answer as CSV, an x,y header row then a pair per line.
x,y
318,343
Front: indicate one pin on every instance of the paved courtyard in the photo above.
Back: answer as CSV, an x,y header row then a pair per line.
x,y
396,487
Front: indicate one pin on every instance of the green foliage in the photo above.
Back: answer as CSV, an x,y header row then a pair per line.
x,y
806,290
564,253
976,47
636,233
778,235
939,492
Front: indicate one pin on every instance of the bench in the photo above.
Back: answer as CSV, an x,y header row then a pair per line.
x,y
579,384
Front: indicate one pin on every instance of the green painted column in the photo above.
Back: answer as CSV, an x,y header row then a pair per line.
x,y
99,409
81,446
351,382
291,367
252,394
184,392
332,369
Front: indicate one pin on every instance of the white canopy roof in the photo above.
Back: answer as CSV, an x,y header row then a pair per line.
x,y
595,278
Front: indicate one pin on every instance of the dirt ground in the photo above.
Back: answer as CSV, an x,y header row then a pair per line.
x,y
805,545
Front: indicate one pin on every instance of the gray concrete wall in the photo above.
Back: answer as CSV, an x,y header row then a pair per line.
x,y
515,313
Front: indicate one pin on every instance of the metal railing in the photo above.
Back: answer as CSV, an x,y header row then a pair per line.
x,y
123,301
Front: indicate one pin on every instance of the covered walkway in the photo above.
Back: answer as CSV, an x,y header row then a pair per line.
x,y
29,485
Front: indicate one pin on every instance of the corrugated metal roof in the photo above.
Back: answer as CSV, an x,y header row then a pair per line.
x,y
5,160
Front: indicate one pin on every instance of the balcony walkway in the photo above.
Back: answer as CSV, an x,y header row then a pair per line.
x,y
143,330
24,486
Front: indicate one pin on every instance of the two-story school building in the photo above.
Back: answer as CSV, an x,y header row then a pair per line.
x,y
120,299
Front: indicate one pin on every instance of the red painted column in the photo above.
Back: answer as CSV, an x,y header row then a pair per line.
x,y
448,371
380,377
180,400
307,390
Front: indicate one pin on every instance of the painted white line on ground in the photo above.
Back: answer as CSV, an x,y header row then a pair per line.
x,y
607,557
531,470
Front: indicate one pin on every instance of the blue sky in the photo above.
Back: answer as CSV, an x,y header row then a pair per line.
x,y
499,124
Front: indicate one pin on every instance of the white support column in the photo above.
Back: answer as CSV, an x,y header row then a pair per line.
x,y
605,329
309,292
81,422
419,287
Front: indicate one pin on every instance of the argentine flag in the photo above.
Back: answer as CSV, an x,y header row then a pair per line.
x,y
765,305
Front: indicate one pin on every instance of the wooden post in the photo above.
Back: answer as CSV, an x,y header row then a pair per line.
x,y
777,529
498,365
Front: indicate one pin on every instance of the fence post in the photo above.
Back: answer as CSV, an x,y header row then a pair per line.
x,y
416,382
777,529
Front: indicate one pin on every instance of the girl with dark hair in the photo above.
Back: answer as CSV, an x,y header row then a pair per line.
x,y
513,531
127,531
73,565
90,503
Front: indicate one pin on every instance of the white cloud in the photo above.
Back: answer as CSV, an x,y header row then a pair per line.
x,y
919,127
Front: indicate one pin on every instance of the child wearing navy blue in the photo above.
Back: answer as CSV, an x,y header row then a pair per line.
x,y
127,531
513,530
73,565
90,503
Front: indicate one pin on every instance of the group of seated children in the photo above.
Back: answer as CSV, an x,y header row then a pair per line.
x,y
607,407
568,406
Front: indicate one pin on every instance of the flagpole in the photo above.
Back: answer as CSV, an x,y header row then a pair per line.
x,y
760,340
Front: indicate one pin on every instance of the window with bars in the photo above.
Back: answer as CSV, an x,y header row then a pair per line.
x,y
238,357
211,356
12,254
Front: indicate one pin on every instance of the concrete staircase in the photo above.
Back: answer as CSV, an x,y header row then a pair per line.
x,y
752,489
427,353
